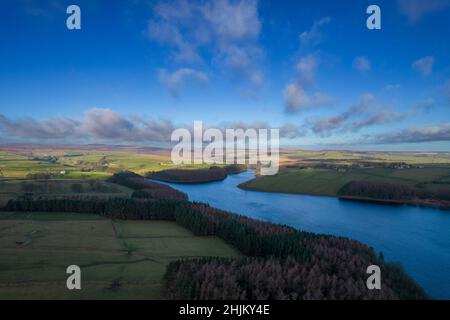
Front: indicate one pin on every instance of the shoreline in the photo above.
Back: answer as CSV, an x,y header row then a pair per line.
x,y
194,179
186,182
435,204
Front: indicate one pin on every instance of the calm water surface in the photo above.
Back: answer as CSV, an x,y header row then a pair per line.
x,y
418,238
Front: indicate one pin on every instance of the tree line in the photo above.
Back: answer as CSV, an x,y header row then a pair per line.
x,y
392,191
114,208
144,189
377,190
282,279
189,176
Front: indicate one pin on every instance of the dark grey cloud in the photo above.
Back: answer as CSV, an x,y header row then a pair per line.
x,y
375,119
31,128
291,131
327,126
356,118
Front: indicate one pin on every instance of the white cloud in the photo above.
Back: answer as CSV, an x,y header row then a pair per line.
x,y
424,66
296,98
221,33
416,9
362,64
314,36
175,80
239,62
307,68
233,21
298,94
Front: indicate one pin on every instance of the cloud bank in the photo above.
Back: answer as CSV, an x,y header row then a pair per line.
x,y
106,126
362,115
96,125
431,133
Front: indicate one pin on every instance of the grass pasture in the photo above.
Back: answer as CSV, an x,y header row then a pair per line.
x,y
118,259
328,182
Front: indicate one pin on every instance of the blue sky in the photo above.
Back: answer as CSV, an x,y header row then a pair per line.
x,y
138,69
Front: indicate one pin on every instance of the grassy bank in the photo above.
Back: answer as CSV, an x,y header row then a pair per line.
x,y
328,182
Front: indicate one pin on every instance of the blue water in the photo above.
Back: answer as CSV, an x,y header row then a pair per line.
x,y
418,238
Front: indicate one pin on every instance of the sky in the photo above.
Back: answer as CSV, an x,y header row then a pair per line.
x,y
139,69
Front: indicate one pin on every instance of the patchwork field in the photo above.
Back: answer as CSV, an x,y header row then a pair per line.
x,y
21,162
118,259
301,171
351,157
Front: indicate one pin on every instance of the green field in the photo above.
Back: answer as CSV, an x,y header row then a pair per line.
x,y
118,259
328,181
82,164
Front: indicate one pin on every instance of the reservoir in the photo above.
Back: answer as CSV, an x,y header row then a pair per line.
x,y
417,238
